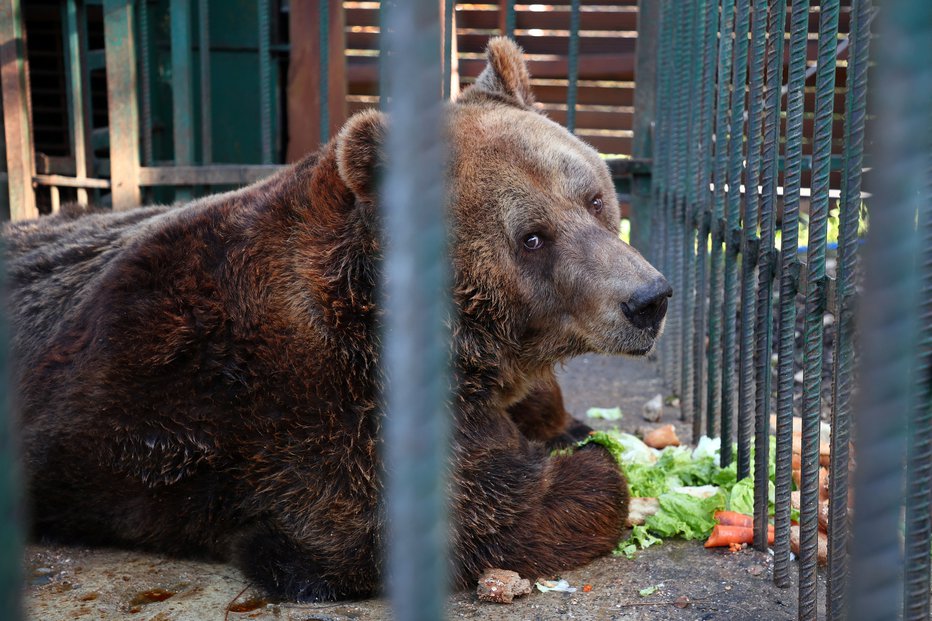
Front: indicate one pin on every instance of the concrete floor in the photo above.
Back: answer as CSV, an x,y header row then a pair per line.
x,y
66,583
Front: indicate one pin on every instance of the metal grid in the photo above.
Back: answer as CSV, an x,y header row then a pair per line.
x,y
728,262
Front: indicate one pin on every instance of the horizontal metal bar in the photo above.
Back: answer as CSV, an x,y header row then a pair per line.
x,y
62,181
217,174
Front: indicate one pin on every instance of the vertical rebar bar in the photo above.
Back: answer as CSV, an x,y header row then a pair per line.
x,y
710,58
678,137
733,241
749,254
816,289
573,61
903,139
789,276
416,298
722,132
265,82
843,384
766,263
661,151
690,214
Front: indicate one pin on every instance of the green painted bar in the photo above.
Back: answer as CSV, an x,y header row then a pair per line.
x,y
843,384
11,503
324,83
74,94
145,77
121,103
203,37
902,180
449,35
718,222
20,165
4,185
789,266
265,82
182,86
645,115
510,18
573,61
918,533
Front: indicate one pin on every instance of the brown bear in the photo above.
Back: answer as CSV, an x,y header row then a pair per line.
x,y
203,380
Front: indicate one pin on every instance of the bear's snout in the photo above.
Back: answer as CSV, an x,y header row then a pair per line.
x,y
647,306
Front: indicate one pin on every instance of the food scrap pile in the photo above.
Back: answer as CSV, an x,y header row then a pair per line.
x,y
682,492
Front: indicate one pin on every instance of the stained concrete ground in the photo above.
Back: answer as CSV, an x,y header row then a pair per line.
x,y
67,583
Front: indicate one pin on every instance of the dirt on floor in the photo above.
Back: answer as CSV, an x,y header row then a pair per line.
x,y
680,580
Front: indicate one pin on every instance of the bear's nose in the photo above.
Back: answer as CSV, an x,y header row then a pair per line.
x,y
648,305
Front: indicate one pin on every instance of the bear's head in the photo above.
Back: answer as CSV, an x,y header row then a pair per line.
x,y
537,259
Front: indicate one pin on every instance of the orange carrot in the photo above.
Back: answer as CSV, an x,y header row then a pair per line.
x,y
733,518
724,534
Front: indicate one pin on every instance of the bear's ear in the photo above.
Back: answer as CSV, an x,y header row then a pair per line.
x,y
361,153
506,75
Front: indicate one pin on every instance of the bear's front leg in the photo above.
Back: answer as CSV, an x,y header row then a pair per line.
x,y
534,514
541,416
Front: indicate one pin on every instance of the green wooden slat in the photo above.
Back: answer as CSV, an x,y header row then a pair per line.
x,y
121,102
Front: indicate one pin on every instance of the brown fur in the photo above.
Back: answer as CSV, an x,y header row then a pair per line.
x,y
204,379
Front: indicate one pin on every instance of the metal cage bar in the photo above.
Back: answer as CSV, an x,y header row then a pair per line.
x,y
886,403
416,297
766,262
789,279
716,269
843,378
816,287
749,254
732,242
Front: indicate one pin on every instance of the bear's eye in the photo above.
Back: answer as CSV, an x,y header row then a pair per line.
x,y
533,242
596,203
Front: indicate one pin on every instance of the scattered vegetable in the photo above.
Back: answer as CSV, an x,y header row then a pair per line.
x,y
727,535
648,590
604,413
554,585
661,437
683,487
